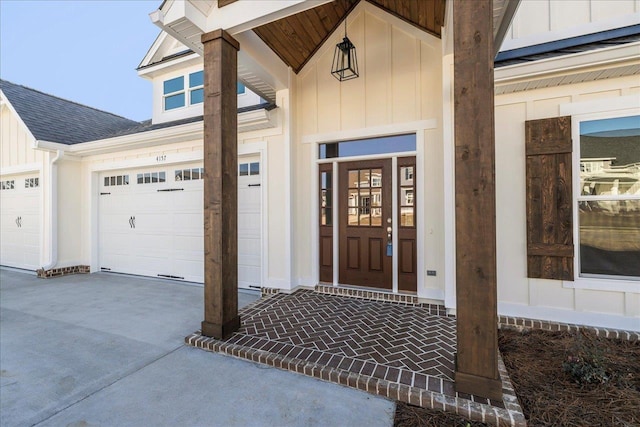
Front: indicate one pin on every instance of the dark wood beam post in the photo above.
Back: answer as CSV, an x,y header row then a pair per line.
x,y
476,281
220,185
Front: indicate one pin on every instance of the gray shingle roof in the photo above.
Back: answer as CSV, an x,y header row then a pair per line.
x,y
147,126
54,119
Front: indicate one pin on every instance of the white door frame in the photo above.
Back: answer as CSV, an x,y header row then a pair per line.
x,y
418,128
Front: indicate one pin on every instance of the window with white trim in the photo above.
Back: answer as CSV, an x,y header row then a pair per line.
x,y
192,174
31,182
249,169
609,198
110,181
151,177
8,185
175,95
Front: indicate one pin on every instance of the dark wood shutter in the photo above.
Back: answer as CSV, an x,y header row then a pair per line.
x,y
549,199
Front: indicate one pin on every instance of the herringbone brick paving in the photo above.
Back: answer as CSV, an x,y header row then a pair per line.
x,y
393,337
401,350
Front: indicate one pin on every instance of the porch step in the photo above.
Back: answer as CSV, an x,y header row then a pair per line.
x,y
367,294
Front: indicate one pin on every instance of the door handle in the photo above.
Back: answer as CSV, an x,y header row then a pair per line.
x,y
19,221
132,222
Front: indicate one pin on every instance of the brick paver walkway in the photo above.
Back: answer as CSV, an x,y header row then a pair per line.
x,y
400,350
385,338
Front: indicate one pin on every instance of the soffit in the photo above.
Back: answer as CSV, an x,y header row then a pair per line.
x,y
297,37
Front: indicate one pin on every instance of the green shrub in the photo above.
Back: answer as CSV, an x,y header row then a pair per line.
x,y
585,362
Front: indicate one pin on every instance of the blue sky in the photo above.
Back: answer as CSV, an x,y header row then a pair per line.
x,y
84,51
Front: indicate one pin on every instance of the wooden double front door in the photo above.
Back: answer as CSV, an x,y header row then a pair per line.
x,y
366,224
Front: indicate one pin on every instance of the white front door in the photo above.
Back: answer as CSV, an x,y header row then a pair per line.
x,y
20,223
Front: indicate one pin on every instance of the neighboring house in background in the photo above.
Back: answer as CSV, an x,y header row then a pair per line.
x,y
323,163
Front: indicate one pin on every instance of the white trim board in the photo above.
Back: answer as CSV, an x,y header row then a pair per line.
x,y
21,169
370,132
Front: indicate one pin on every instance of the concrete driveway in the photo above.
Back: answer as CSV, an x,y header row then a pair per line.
x,y
107,350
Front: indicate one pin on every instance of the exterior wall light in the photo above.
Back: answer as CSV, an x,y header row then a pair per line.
x,y
345,62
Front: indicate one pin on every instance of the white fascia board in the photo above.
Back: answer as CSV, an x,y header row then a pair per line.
x,y
567,33
256,56
241,16
153,49
615,55
195,16
172,16
19,169
250,120
169,135
7,104
50,146
179,11
150,72
256,120
509,10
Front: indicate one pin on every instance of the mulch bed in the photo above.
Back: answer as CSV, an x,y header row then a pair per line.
x,y
561,379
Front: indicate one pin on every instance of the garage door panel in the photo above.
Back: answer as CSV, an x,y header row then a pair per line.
x,y
153,223
191,223
248,275
114,223
191,244
21,222
189,197
31,241
248,247
190,269
169,224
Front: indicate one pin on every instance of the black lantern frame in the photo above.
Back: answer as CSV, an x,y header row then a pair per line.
x,y
345,62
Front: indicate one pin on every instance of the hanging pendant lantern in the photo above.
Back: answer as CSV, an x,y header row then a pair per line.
x,y
345,62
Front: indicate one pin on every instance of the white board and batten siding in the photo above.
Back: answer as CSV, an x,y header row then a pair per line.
x,y
20,221
20,206
151,223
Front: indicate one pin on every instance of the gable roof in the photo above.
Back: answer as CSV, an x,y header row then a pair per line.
x,y
54,119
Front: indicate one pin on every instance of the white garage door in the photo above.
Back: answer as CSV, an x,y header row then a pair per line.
x,y
151,224
249,222
20,228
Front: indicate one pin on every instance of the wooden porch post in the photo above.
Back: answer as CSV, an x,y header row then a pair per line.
x,y
476,282
220,185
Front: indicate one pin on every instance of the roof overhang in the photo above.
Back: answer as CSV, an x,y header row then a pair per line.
x,y
616,61
250,120
260,68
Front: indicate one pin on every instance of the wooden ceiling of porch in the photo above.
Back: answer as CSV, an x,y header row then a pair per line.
x,y
297,37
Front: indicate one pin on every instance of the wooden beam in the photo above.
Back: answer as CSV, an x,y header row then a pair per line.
x,y
476,279
220,185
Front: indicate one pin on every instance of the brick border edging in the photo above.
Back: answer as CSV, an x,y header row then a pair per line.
x,y
63,271
520,323
474,411
367,294
269,291
372,295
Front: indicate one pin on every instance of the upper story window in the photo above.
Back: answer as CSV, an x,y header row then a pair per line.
x,y
241,89
196,87
174,93
177,96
